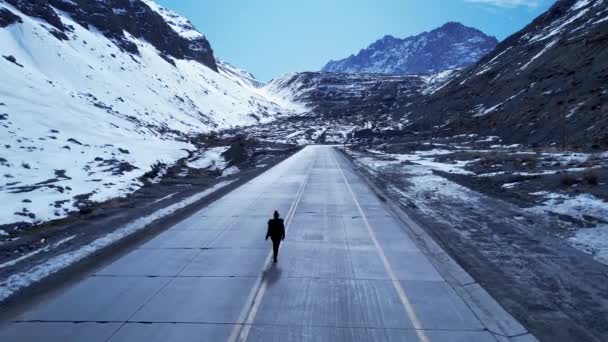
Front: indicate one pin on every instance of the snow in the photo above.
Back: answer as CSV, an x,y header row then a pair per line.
x,y
593,240
499,55
558,27
485,111
179,24
423,183
590,235
580,4
577,206
601,20
510,185
533,174
165,198
569,158
238,75
233,170
391,55
100,117
285,89
21,280
545,49
31,254
439,80
422,158
490,138
210,159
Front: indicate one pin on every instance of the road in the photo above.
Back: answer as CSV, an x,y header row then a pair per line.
x,y
346,272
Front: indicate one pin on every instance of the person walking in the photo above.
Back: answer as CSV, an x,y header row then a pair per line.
x,y
276,232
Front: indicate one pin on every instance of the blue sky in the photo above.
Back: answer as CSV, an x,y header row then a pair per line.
x,y
273,37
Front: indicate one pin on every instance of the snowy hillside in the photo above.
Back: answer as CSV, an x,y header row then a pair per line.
x,y
86,111
452,46
238,75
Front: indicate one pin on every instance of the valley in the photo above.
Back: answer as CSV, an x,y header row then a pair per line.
x,y
118,123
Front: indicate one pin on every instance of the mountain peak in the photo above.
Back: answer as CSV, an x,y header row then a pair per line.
x,y
451,46
453,24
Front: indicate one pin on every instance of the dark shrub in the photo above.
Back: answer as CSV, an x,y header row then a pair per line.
x,y
569,180
591,177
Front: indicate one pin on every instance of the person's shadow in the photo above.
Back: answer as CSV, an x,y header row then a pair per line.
x,y
272,274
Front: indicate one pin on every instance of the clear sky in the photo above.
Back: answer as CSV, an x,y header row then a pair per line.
x,y
273,37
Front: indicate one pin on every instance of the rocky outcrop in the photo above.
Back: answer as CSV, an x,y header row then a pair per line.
x,y
115,17
358,96
8,18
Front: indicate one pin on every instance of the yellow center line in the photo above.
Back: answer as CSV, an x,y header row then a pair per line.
x,y
240,332
407,304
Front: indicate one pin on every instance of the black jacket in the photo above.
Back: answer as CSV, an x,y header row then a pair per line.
x,y
276,229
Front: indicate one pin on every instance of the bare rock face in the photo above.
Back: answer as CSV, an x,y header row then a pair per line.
x,y
342,95
452,46
546,84
115,17
8,18
237,153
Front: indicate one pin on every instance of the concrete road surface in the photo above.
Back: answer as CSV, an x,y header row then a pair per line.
x,y
346,272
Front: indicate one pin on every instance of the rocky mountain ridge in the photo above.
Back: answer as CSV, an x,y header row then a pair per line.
x,y
451,46
544,85
142,19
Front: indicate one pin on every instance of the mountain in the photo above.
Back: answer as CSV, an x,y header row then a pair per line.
x,y
546,84
242,77
333,95
341,106
452,46
340,95
95,93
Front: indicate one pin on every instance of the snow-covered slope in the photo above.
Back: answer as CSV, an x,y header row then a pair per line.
x,y
86,111
181,25
238,75
452,46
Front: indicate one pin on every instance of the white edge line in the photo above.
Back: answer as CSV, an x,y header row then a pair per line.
x,y
240,332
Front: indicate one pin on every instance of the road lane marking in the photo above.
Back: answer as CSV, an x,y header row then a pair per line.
x,y
407,304
240,332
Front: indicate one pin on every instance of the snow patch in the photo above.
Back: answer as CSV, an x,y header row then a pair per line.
x,y
545,49
233,170
593,241
102,118
211,159
179,24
